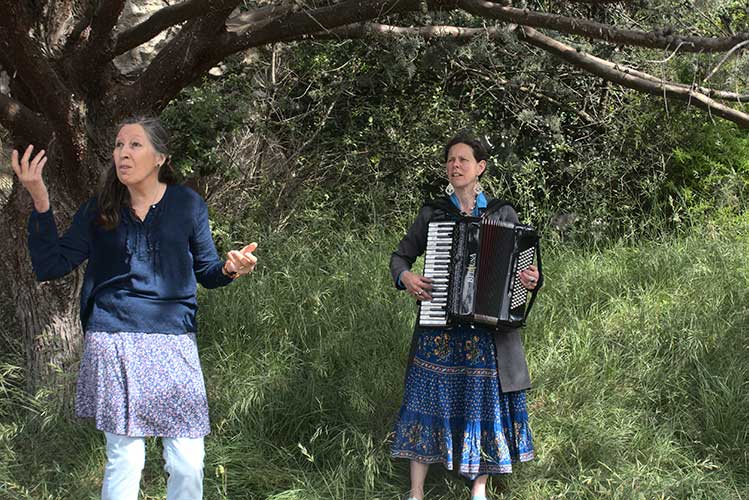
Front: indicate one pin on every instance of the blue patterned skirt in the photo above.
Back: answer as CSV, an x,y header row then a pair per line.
x,y
453,410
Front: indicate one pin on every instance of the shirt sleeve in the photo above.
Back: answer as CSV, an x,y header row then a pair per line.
x,y
53,256
206,263
410,247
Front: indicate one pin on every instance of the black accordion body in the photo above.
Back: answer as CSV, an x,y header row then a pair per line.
x,y
474,263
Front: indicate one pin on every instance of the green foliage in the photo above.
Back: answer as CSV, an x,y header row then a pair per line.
x,y
637,352
353,132
200,117
712,165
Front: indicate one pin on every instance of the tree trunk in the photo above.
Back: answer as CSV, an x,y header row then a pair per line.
x,y
47,314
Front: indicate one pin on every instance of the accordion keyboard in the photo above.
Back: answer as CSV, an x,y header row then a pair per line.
x,y
437,267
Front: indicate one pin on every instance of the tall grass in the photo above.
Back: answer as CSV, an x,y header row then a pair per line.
x,y
638,355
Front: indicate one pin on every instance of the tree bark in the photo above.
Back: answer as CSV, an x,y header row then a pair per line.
x,y
47,313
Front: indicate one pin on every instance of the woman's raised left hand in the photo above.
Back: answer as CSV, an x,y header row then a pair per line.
x,y
241,261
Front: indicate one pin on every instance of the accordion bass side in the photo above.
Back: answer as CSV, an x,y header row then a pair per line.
x,y
474,264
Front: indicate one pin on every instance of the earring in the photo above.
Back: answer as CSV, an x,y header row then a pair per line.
x,y
449,189
478,189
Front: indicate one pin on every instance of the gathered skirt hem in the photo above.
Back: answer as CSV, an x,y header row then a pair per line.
x,y
470,472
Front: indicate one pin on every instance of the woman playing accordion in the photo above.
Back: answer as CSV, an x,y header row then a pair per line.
x,y
464,403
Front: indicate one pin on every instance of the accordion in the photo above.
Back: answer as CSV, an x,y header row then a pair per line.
x,y
474,264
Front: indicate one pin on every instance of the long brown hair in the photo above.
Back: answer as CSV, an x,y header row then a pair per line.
x,y
114,195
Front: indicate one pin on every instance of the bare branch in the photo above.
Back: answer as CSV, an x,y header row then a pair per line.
x,y
725,58
661,39
248,20
22,122
158,22
364,30
199,47
179,61
716,94
608,71
104,20
83,23
96,50
320,21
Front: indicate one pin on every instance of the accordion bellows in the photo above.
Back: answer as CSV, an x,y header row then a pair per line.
x,y
474,264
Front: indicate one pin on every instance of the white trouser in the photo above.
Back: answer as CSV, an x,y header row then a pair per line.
x,y
127,455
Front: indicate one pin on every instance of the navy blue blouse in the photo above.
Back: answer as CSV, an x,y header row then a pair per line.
x,y
142,276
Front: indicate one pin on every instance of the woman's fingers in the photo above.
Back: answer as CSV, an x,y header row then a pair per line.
x,y
419,286
239,259
529,277
25,157
36,173
35,168
27,169
249,248
240,262
247,252
15,164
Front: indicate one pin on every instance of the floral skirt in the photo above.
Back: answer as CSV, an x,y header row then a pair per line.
x,y
143,384
453,410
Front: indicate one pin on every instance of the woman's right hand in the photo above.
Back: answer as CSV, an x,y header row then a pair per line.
x,y
418,286
29,173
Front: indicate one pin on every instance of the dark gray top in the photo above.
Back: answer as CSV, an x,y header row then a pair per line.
x,y
512,367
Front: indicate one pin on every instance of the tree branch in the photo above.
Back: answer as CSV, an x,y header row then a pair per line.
x,y
734,50
97,49
245,20
159,21
22,122
198,47
716,94
174,66
51,96
575,26
34,70
83,23
608,71
365,30
104,20
321,20
463,35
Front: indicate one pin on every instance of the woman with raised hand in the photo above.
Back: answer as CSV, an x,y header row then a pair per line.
x,y
464,402
148,244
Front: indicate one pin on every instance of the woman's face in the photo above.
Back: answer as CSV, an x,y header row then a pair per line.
x,y
134,156
462,168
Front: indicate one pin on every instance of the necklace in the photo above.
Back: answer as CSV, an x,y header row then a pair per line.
x,y
149,206
470,210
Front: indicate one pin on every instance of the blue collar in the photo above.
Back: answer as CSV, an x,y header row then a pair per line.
x,y
480,203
